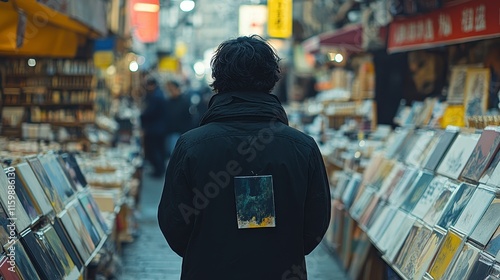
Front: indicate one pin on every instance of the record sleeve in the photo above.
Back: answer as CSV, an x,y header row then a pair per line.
x,y
485,150
426,258
8,271
68,243
481,267
417,152
40,257
456,205
34,213
81,239
94,212
75,170
57,178
437,154
24,266
62,256
447,254
25,173
457,156
439,205
492,175
397,240
488,224
48,188
415,192
431,194
412,248
475,209
11,203
4,227
464,263
493,246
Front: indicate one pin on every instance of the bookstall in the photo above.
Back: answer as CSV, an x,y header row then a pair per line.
x,y
71,188
414,200
65,215
417,202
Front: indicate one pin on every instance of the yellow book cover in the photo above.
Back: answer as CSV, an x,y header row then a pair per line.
x,y
453,115
446,255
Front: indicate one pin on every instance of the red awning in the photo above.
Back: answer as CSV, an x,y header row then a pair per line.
x,y
348,38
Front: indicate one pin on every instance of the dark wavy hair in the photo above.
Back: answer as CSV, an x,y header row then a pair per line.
x,y
245,64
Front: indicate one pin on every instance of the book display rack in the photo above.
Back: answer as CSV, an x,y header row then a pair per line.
x,y
52,225
429,211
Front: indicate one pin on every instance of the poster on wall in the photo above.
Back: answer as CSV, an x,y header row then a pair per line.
x,y
476,91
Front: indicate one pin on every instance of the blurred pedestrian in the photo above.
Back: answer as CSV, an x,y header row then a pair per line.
x,y
153,118
179,119
245,195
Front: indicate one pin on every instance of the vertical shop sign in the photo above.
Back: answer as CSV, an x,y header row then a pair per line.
x,y
103,52
473,20
279,22
145,19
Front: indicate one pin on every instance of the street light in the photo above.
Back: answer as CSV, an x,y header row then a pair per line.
x,y
187,5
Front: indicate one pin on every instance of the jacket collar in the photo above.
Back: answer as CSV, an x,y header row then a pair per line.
x,y
251,106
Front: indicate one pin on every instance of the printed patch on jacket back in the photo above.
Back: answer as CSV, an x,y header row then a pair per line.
x,y
254,201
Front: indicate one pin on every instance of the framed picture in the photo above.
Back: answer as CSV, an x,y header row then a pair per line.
x,y
456,90
476,91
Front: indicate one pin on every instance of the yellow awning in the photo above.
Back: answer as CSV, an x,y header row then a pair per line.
x,y
47,32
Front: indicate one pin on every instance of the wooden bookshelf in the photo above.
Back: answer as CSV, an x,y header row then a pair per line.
x,y
60,92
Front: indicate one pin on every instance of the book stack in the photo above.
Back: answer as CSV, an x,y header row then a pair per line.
x,y
429,203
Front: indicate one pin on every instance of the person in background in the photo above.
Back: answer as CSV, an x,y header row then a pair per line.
x,y
179,117
245,196
153,118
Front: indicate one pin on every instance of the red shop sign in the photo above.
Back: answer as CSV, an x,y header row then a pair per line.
x,y
469,21
144,15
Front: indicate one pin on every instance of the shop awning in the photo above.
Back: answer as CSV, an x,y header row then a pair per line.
x,y
348,38
28,28
460,23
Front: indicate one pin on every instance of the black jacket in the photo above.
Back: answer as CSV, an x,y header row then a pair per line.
x,y
244,134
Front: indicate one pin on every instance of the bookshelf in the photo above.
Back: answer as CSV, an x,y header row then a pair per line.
x,y
59,92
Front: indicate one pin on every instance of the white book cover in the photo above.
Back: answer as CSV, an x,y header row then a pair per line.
x,y
457,156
